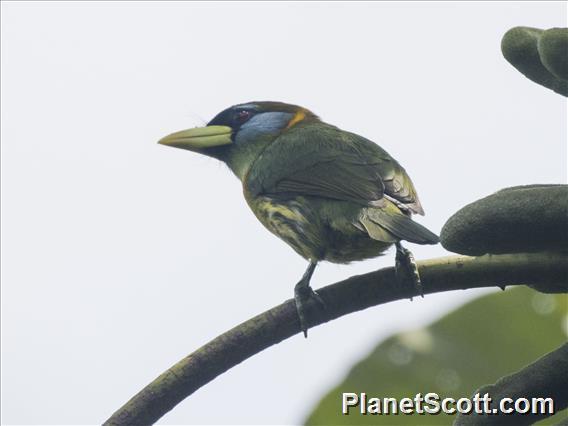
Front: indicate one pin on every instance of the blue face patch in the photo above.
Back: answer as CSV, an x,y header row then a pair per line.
x,y
266,123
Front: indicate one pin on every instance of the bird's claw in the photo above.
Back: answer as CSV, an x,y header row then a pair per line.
x,y
302,296
406,269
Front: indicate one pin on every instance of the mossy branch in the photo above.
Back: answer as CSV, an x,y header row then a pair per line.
x,y
351,295
547,377
540,55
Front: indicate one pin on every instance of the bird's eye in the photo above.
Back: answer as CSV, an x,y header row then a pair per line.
x,y
242,116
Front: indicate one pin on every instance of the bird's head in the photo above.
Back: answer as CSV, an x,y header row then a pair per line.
x,y
240,133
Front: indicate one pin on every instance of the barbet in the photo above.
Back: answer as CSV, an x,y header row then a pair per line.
x,y
330,194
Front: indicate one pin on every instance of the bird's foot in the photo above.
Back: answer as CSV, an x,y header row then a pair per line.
x,y
302,295
406,269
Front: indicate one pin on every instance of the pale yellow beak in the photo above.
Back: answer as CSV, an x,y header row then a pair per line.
x,y
199,137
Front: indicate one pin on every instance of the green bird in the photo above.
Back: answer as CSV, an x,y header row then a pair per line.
x,y
330,194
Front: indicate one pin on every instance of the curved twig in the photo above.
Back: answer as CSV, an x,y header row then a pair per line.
x,y
351,295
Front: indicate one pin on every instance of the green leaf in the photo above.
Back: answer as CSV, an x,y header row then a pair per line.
x,y
477,344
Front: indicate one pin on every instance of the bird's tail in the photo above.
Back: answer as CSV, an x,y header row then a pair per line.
x,y
385,223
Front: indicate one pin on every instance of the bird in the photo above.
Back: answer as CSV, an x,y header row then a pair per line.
x,y
330,194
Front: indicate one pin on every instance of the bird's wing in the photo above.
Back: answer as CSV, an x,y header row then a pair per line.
x,y
320,160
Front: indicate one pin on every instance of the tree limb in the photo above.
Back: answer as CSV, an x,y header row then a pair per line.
x,y
351,295
540,55
547,377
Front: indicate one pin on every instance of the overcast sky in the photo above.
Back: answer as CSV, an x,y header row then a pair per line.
x,y
120,256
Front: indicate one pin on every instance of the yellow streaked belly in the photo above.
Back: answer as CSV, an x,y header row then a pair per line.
x,y
302,225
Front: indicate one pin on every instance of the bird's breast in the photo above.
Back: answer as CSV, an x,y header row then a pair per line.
x,y
293,221
312,232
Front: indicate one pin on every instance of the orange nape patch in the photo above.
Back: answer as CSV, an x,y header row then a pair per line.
x,y
299,116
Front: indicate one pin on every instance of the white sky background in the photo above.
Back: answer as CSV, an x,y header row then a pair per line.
x,y
120,256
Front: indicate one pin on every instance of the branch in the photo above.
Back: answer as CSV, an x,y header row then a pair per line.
x,y
539,54
519,219
351,295
547,377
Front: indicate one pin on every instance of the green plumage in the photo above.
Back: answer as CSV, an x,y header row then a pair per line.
x,y
330,194
346,198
